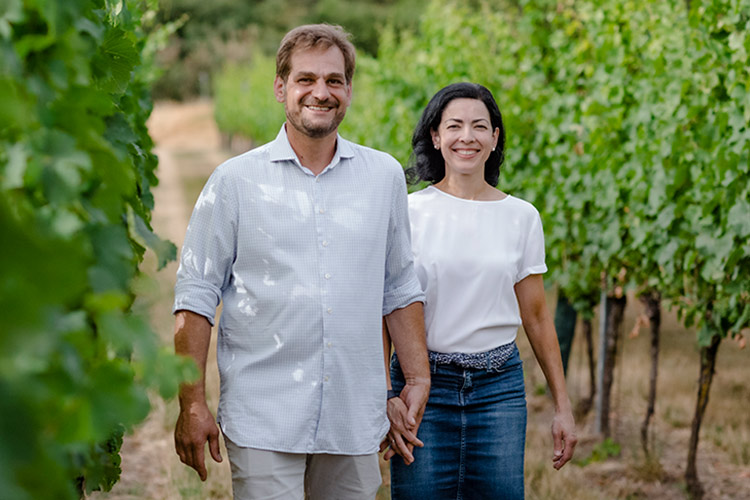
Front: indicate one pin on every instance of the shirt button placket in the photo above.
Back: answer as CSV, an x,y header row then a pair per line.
x,y
320,213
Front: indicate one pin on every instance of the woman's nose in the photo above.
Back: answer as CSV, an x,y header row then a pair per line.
x,y
467,134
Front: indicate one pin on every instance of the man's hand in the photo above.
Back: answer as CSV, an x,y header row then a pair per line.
x,y
564,438
195,426
415,394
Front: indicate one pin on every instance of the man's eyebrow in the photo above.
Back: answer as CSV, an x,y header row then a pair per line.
x,y
309,74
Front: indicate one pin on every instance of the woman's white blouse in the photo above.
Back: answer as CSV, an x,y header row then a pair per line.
x,y
468,257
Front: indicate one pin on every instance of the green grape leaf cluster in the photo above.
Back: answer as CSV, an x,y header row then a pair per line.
x,y
76,172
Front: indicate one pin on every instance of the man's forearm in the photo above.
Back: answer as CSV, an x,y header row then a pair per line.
x,y
192,337
195,424
406,328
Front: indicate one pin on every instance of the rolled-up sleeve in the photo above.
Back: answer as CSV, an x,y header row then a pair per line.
x,y
209,249
401,284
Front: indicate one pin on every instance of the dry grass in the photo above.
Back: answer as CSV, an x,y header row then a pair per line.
x,y
189,150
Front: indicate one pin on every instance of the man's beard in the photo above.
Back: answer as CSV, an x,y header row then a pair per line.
x,y
313,129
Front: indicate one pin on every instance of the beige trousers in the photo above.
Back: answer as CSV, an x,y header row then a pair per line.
x,y
272,475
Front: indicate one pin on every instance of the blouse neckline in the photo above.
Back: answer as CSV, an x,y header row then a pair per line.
x,y
432,187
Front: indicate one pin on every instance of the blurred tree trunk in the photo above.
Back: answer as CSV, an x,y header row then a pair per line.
x,y
708,364
565,326
615,308
586,404
652,302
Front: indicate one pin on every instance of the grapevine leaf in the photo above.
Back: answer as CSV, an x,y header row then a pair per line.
x,y
115,61
165,250
738,218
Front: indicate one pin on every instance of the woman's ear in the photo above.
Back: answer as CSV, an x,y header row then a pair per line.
x,y
435,138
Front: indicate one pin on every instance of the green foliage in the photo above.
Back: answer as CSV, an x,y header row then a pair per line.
x,y
627,127
245,103
76,171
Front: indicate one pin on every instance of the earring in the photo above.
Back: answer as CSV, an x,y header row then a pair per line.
x,y
493,149
436,146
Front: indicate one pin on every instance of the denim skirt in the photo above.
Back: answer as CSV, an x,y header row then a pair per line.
x,y
474,434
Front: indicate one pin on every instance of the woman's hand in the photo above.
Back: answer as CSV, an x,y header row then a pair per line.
x,y
564,438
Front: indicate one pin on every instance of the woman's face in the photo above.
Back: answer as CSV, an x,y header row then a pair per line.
x,y
465,136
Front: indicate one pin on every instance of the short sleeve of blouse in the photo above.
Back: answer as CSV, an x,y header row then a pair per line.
x,y
532,258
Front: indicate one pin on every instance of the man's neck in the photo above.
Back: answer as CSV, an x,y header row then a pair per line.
x,y
314,153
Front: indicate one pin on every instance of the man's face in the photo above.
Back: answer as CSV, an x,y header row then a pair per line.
x,y
315,94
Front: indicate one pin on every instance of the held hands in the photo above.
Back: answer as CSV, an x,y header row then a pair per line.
x,y
195,426
405,414
402,436
564,437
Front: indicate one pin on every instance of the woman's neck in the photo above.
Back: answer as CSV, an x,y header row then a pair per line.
x,y
469,188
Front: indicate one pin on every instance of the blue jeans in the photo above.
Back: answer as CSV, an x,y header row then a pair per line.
x,y
474,434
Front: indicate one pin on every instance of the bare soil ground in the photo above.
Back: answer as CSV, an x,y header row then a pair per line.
x,y
189,148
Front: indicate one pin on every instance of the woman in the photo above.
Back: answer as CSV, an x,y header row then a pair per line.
x,y
479,255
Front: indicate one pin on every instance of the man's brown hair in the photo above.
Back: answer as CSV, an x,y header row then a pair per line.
x,y
309,36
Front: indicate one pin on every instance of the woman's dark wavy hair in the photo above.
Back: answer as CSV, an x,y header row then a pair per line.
x,y
426,163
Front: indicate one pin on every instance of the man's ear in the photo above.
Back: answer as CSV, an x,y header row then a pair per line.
x,y
279,89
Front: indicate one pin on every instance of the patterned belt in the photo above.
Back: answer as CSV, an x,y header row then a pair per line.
x,y
491,360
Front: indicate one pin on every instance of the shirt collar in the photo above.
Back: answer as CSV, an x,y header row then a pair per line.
x,y
281,150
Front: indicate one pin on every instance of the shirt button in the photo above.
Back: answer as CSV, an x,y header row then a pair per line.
x,y
329,344
328,276
325,379
330,310
321,210
325,243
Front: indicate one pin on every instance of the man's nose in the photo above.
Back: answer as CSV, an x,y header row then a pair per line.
x,y
320,90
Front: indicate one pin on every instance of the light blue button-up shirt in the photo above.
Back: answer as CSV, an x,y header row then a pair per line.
x,y
306,266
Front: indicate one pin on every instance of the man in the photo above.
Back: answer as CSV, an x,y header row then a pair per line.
x,y
306,242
